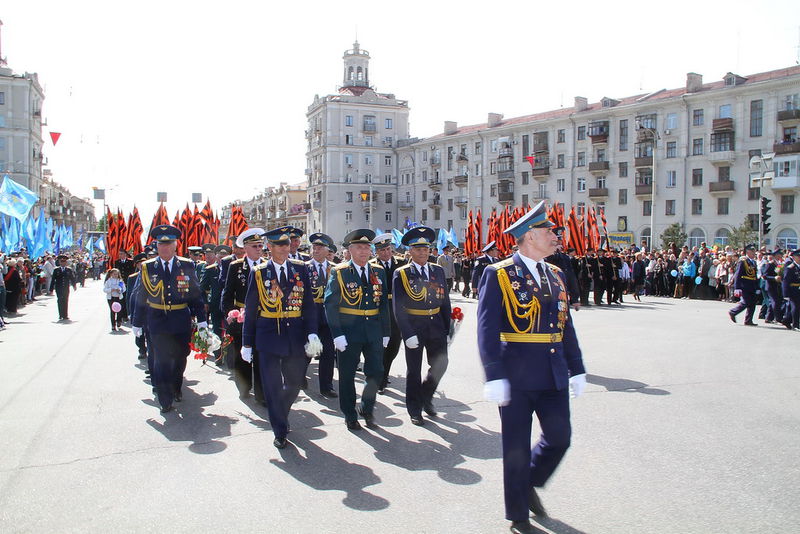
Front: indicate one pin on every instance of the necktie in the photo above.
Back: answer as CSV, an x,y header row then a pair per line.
x,y
166,270
321,270
364,276
423,272
543,282
387,265
282,278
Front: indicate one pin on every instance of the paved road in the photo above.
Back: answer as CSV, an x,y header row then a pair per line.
x,y
689,424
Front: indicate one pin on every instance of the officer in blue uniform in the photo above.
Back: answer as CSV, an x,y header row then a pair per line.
x,y
358,315
130,284
530,355
490,255
280,317
236,253
790,284
745,285
294,248
772,285
167,297
421,303
318,270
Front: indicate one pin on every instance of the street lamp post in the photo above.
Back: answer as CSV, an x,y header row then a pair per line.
x,y
654,135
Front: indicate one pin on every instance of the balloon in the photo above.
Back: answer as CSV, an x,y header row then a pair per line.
x,y
698,280
674,273
116,307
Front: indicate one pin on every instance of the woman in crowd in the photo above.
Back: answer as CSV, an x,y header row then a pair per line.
x,y
114,288
638,276
13,281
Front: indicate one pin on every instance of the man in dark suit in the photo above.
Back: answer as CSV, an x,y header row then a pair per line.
x,y
609,275
563,262
596,274
745,285
490,254
233,298
211,287
280,318
531,358
390,263
790,285
421,304
130,284
318,270
167,297
63,278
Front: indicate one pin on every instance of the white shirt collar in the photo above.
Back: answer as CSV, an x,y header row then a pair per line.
x,y
278,265
531,264
420,268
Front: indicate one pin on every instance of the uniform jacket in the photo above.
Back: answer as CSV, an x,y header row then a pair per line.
x,y
478,268
394,264
179,293
234,290
62,279
211,286
318,283
790,282
745,275
126,268
412,292
345,290
543,365
563,262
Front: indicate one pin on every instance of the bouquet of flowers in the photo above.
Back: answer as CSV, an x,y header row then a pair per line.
x,y
456,318
313,348
236,315
203,342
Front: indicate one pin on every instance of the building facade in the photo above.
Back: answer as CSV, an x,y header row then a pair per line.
x,y
56,202
274,207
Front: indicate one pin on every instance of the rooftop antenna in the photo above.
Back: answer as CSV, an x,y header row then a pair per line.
x,y
2,59
798,46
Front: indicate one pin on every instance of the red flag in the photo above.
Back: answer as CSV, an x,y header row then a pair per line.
x,y
122,232
159,217
54,137
135,230
111,238
479,230
531,160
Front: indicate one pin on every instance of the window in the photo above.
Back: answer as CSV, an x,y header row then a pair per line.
x,y
493,190
493,145
696,237
753,193
697,206
581,133
388,198
790,134
581,208
348,216
560,161
424,176
348,178
581,159
725,111
387,160
581,184
424,195
623,169
388,216
600,154
782,168
756,118
561,185
525,178
672,121
525,201
2,98
722,236
348,196
752,220
672,178
367,178
492,167
623,197
722,142
449,184
387,141
697,146
647,208
697,117
526,145
787,238
623,135
672,149
787,203
478,169
368,160
424,215
348,120
477,147
724,174
348,160
697,177
387,123
436,214
722,205
449,204
348,139
368,140
669,207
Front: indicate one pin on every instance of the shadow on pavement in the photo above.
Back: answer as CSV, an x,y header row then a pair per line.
x,y
556,526
324,471
623,384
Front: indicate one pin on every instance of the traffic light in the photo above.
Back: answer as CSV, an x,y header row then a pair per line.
x,y
765,202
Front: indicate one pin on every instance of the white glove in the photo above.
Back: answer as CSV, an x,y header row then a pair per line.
x,y
498,391
247,354
385,342
340,343
412,342
202,324
737,293
577,384
313,338
137,331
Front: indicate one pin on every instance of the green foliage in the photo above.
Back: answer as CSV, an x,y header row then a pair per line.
x,y
673,234
743,235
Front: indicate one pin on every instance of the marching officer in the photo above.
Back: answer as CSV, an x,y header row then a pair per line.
x,y
126,268
295,234
595,269
490,255
212,289
318,270
772,281
233,298
390,262
63,278
280,316
421,305
745,285
130,284
167,297
357,308
237,253
530,355
791,291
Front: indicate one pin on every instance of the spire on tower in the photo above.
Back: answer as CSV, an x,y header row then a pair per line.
x,y
356,67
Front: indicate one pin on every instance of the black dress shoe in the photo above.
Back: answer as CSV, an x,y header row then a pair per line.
x,y
280,443
750,324
142,355
166,409
353,425
732,316
523,527
535,505
417,420
369,419
329,394
178,396
429,409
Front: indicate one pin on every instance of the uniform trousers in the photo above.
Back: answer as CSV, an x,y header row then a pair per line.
x,y
524,468
245,375
373,372
327,359
775,311
390,352
746,302
169,363
791,314
599,289
62,295
141,344
419,392
281,377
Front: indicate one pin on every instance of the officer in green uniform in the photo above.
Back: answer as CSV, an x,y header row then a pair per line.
x,y
211,287
357,309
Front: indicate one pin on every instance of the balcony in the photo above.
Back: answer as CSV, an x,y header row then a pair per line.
x,y
435,184
722,157
646,161
598,167
598,131
505,153
539,148
721,187
505,169
786,148
789,115
722,125
308,172
317,204
460,180
598,192
505,196
405,205
436,162
541,172
280,214
369,205
786,183
461,201
369,127
435,202
644,190
462,159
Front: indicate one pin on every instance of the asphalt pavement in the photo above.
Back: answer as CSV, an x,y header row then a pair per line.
x,y
690,424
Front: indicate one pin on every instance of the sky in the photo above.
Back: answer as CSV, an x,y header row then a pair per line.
x,y
210,97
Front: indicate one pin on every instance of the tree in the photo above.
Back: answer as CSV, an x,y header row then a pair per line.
x,y
101,224
673,234
743,235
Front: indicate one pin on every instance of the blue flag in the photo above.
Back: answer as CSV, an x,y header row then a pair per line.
x,y
15,199
40,239
453,237
90,245
101,244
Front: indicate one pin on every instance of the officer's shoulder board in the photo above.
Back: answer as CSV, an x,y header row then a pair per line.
x,y
151,261
554,268
134,275
404,266
374,261
297,262
260,266
212,266
340,266
502,264
181,258
378,265
399,259
201,262
235,262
